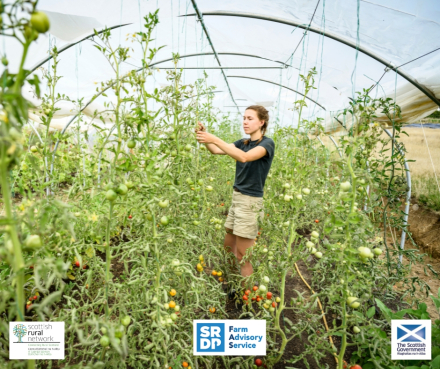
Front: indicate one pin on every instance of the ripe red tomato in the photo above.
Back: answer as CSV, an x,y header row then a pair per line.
x,y
248,292
259,299
32,267
29,306
316,221
253,298
35,297
356,366
77,263
255,288
274,304
269,295
84,266
245,297
130,216
258,362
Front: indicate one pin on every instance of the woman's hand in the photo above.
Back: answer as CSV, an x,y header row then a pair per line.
x,y
205,137
200,127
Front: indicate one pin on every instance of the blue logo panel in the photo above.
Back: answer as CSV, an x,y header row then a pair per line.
x,y
210,337
411,333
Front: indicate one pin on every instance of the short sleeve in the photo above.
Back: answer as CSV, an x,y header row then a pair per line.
x,y
238,143
269,145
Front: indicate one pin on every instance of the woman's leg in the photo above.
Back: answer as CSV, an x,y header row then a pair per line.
x,y
230,242
242,244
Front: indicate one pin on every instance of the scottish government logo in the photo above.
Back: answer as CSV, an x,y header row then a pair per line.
x,y
229,337
411,339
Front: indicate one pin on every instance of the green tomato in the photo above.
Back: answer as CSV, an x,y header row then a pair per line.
x,y
188,147
209,188
104,341
164,220
33,241
306,191
262,288
211,179
109,186
310,244
40,22
266,279
164,204
318,254
131,144
351,301
104,330
177,308
111,195
169,240
364,252
34,148
126,320
345,186
196,222
200,182
377,251
315,234
173,317
122,189
299,196
149,217
117,341
129,184
119,332
356,329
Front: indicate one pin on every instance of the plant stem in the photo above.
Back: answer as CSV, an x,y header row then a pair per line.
x,y
108,257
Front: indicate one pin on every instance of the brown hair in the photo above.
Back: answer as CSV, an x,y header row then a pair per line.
x,y
262,114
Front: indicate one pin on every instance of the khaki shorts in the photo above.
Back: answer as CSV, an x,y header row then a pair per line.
x,y
243,215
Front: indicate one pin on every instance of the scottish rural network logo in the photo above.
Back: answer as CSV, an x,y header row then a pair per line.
x,y
20,331
411,339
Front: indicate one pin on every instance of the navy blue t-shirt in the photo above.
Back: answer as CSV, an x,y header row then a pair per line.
x,y
251,176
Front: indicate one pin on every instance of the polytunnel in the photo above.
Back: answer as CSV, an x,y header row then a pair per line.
x,y
254,52
219,184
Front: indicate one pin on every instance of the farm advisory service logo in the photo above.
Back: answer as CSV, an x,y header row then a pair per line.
x,y
229,337
411,339
36,340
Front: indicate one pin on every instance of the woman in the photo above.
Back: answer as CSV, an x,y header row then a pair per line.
x,y
253,160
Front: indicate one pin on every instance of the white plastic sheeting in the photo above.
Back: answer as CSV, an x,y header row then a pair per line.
x,y
398,31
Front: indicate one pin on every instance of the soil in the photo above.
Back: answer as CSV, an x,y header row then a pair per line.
x,y
424,225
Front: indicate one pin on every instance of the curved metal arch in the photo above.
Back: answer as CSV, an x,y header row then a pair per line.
x,y
68,46
222,53
278,84
328,34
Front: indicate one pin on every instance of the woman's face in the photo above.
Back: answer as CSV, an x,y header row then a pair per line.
x,y
251,123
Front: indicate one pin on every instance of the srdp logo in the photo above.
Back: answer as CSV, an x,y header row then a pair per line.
x,y
411,333
210,337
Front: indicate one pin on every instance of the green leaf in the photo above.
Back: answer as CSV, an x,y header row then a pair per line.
x,y
435,364
371,311
387,312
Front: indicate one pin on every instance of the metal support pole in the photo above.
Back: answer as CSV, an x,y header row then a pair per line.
x,y
200,18
336,145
